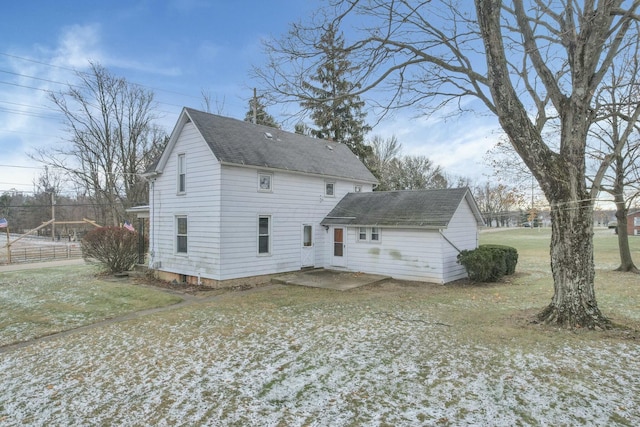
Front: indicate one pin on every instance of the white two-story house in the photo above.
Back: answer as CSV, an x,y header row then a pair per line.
x,y
230,199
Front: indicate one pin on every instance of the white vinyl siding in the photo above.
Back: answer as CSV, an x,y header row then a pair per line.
x,y
296,200
413,253
407,254
201,202
463,233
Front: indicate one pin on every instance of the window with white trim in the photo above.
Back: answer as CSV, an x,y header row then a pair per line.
x,y
265,182
330,189
636,221
181,234
182,174
362,233
264,234
375,234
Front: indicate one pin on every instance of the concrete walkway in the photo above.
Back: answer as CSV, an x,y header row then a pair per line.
x,y
329,279
45,264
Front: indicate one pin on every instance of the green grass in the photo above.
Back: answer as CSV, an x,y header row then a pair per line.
x,y
45,301
617,293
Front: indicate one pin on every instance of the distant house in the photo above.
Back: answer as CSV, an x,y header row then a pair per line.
x,y
233,200
633,223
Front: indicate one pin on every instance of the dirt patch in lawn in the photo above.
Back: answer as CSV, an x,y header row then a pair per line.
x,y
187,288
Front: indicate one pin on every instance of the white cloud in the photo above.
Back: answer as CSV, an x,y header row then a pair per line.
x,y
77,45
458,145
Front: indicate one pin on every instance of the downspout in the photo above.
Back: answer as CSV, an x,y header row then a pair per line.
x,y
152,228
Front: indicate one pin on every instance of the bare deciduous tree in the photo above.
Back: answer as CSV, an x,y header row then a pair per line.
x,y
532,63
615,136
397,172
496,201
112,140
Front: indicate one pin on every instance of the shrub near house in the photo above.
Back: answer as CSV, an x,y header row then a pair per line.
x,y
115,247
489,263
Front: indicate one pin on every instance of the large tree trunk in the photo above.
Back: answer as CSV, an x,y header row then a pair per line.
x,y
561,176
574,303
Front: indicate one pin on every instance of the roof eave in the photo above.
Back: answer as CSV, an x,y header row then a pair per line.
x,y
346,223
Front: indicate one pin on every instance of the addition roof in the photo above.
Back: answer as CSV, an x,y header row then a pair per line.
x,y
409,208
237,142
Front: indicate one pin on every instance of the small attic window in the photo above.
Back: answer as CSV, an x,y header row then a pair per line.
x,y
268,135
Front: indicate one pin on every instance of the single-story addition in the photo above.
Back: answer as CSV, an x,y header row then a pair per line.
x,y
231,200
411,235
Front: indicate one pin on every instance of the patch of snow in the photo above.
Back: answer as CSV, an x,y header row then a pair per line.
x,y
329,365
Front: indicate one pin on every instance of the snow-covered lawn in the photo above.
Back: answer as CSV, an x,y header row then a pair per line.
x,y
393,354
44,301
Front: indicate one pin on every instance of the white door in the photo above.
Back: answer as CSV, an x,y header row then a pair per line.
x,y
308,254
339,254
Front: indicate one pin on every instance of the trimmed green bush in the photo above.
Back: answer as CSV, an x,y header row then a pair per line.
x,y
489,263
510,256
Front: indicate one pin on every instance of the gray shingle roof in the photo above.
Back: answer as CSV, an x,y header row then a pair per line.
x,y
411,208
243,143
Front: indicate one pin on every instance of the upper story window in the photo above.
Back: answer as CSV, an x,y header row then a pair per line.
x,y
182,174
636,221
265,181
330,189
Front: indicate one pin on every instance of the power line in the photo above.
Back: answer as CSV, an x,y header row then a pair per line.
x,y
34,78
22,167
75,71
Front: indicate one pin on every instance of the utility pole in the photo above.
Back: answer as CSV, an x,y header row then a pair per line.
x,y
53,215
255,107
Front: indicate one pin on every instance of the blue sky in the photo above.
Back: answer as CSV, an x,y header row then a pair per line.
x,y
177,48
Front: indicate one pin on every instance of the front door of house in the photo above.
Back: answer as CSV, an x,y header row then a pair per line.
x,y
308,255
339,258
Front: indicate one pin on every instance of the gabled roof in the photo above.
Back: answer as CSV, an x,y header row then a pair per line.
x,y
409,208
238,142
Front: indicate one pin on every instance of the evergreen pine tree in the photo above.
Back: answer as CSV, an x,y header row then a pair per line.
x,y
262,117
337,114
